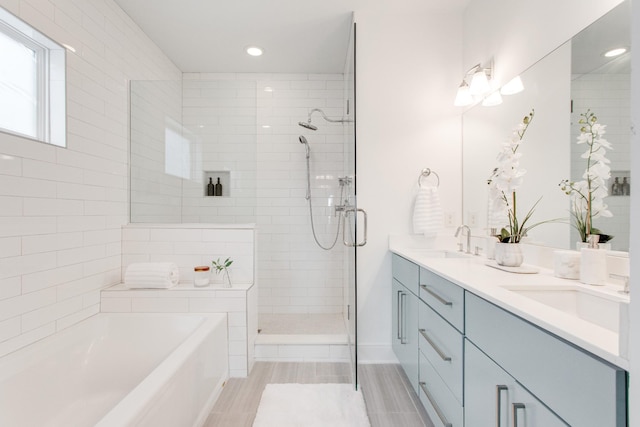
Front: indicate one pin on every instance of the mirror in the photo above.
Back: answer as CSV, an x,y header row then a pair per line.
x,y
561,86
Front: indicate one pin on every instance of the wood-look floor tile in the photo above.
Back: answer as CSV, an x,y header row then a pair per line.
x,y
230,420
389,397
396,419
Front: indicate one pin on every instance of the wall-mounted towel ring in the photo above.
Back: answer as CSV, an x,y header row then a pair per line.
x,y
425,173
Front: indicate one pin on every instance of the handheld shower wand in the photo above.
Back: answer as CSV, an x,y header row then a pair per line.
x,y
303,140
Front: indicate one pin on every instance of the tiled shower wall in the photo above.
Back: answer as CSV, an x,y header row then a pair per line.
x,y
249,122
295,275
219,116
608,96
61,209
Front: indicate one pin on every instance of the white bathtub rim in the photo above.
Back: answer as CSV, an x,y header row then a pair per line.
x,y
38,350
136,403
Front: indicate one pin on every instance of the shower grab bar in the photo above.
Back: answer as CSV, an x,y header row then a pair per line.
x,y
425,173
347,211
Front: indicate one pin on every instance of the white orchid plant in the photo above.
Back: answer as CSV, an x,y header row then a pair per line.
x,y
505,180
587,195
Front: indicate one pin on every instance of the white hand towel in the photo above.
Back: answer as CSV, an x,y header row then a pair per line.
x,y
155,275
427,213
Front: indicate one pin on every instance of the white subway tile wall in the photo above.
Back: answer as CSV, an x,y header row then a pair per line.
x,y
269,178
608,96
61,209
295,275
219,115
189,247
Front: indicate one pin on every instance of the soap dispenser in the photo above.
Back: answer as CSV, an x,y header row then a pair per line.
x,y
593,263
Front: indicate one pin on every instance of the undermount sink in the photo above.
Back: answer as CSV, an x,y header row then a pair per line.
x,y
600,308
440,253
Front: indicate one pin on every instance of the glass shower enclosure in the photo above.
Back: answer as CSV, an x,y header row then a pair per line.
x,y
239,134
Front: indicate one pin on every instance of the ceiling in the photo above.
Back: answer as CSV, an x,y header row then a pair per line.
x,y
613,30
298,36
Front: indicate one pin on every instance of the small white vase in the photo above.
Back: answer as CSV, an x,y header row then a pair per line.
x,y
508,254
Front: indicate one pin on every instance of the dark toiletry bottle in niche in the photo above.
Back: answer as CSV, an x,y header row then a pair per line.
x,y
615,188
218,188
210,188
626,187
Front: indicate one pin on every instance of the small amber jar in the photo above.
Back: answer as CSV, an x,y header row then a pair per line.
x,y
201,276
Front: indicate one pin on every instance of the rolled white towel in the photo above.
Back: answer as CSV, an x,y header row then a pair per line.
x,y
427,213
154,275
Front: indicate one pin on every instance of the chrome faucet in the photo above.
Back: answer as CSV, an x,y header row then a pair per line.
x,y
462,228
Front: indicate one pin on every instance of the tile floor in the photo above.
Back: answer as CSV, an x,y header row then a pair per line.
x,y
390,400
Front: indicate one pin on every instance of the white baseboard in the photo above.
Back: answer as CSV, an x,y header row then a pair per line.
x,y
376,353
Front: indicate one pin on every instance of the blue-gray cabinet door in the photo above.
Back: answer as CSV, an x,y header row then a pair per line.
x,y
405,330
494,398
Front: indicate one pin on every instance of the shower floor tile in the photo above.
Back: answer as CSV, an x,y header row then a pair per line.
x,y
297,324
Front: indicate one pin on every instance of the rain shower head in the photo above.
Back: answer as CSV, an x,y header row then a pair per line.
x,y
303,140
307,125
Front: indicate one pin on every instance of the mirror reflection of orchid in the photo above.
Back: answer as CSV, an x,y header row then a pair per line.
x,y
587,195
503,183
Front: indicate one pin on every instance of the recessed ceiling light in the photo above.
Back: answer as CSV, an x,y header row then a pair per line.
x,y
266,126
254,51
268,89
615,52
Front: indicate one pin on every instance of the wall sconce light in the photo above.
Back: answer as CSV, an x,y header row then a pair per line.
x,y
478,87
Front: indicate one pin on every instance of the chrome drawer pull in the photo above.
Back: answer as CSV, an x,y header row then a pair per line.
x,y
499,390
403,305
443,356
436,296
435,406
515,407
399,314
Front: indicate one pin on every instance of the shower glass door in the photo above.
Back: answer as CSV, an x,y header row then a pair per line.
x,y
351,233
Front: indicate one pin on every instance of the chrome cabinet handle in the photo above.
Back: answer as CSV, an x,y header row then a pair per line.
x,y
515,407
433,345
499,390
398,314
403,304
435,295
435,406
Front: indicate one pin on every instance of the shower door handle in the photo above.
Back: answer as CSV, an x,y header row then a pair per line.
x,y
344,226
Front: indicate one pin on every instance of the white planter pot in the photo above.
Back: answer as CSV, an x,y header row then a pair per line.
x,y
508,254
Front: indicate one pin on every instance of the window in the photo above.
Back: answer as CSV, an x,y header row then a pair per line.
x,y
32,82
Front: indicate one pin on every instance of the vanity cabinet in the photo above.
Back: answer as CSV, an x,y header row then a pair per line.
x,y
581,389
475,364
494,398
405,317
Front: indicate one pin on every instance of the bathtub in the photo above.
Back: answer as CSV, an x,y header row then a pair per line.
x,y
115,370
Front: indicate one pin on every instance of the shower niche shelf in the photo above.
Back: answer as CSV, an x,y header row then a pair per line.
x,y
225,180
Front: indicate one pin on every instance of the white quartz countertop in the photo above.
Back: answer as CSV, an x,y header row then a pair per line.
x,y
472,274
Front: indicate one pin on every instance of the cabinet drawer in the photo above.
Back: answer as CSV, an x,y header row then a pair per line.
x,y
442,345
443,296
443,408
583,390
406,272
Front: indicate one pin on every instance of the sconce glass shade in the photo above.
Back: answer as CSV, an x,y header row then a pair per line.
x,y
479,83
514,86
463,96
492,100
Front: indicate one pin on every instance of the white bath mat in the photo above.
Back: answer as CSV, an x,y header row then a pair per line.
x,y
310,405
